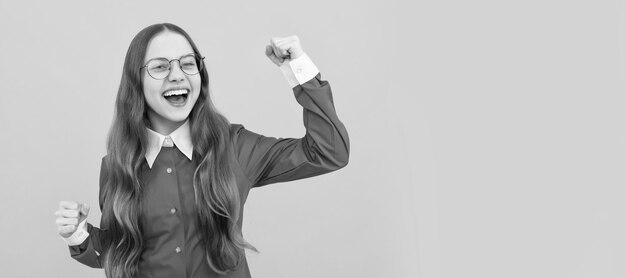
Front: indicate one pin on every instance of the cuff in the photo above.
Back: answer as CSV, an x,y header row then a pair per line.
x,y
78,236
298,71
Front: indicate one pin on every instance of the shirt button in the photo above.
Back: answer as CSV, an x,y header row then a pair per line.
x,y
168,142
177,249
169,170
173,210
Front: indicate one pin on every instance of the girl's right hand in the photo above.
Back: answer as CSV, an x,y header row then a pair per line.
x,y
69,215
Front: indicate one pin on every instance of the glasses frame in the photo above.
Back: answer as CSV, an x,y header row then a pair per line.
x,y
199,60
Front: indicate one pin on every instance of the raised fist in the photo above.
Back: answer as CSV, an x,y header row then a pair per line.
x,y
69,215
281,49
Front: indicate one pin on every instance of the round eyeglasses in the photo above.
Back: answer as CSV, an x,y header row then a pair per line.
x,y
159,68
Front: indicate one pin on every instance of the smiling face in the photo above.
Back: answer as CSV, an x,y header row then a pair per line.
x,y
171,99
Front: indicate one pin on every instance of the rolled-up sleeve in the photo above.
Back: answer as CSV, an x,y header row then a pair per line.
x,y
324,148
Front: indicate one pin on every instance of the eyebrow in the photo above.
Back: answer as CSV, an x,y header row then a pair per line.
x,y
191,53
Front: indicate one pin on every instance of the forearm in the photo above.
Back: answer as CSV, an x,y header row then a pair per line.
x,y
326,141
324,148
89,251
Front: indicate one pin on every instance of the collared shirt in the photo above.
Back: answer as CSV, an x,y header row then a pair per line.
x,y
296,72
181,138
172,243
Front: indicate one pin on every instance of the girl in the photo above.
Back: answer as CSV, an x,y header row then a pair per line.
x,y
177,173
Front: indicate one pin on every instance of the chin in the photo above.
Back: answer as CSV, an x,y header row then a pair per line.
x,y
178,118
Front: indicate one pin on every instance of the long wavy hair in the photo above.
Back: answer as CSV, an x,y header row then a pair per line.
x,y
216,194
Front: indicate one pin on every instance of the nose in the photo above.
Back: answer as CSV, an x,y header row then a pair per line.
x,y
176,74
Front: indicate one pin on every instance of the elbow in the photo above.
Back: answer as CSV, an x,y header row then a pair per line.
x,y
328,157
343,151
341,157
89,260
330,160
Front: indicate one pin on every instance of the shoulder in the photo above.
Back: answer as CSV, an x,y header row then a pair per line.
x,y
235,131
236,128
237,135
104,166
243,140
104,163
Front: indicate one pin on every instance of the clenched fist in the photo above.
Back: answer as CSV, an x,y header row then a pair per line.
x,y
281,49
69,215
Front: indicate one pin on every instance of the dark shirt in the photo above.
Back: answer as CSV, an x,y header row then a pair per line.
x,y
172,244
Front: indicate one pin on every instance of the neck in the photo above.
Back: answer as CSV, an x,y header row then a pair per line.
x,y
161,125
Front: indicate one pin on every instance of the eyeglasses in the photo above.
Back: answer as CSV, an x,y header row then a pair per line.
x,y
159,68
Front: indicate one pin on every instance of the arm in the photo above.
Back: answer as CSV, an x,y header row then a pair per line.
x,y
324,148
89,251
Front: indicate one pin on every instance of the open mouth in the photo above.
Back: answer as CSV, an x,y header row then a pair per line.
x,y
176,97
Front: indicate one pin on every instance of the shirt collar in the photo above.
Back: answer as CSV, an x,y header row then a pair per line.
x,y
181,137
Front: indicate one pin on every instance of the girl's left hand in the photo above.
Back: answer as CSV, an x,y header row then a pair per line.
x,y
281,49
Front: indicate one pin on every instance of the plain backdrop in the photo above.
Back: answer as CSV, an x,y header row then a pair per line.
x,y
487,137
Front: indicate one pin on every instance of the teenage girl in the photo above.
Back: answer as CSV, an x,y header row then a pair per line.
x,y
177,173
